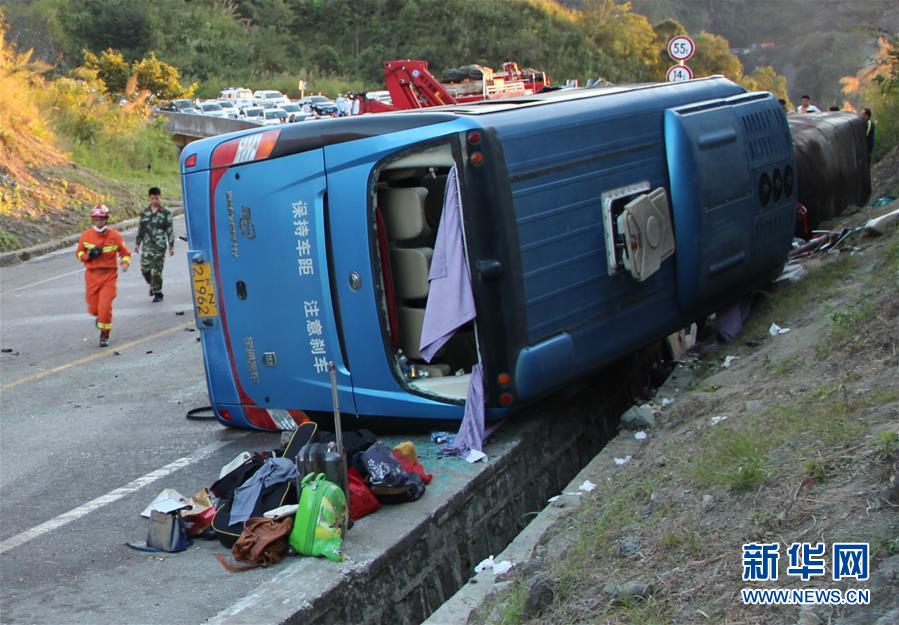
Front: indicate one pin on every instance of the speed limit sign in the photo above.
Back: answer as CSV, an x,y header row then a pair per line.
x,y
681,48
677,73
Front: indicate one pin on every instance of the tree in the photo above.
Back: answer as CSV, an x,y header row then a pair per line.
x,y
161,79
327,59
625,39
665,30
99,25
831,57
713,56
111,68
764,78
876,87
116,77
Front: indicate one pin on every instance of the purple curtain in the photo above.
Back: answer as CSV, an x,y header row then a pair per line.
x,y
450,299
471,432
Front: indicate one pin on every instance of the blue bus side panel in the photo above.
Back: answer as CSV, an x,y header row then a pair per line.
x,y
717,152
272,259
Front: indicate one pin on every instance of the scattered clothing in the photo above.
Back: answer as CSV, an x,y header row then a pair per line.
x,y
729,321
362,500
273,471
406,449
413,466
386,477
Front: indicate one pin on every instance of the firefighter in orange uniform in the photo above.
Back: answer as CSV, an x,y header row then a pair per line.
x,y
98,249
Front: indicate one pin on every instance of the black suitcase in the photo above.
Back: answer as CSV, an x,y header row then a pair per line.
x,y
321,457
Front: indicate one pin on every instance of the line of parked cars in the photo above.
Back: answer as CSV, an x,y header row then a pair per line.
x,y
265,106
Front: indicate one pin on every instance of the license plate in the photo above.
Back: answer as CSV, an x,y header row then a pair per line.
x,y
204,291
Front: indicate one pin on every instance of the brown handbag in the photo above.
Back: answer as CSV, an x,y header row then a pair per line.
x,y
262,542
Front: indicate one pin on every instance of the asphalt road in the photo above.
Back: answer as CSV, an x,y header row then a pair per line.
x,y
89,436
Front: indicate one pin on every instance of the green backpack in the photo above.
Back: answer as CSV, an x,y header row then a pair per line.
x,y
319,524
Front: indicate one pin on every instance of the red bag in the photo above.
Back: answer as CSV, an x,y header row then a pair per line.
x,y
196,524
410,466
362,500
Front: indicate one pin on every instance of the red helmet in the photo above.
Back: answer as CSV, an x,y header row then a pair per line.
x,y
100,210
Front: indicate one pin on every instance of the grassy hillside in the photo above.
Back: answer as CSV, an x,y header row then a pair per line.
x,y
65,147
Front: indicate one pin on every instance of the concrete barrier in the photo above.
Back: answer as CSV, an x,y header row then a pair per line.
x,y
186,127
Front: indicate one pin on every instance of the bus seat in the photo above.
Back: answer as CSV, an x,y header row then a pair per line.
x,y
410,268
411,321
404,212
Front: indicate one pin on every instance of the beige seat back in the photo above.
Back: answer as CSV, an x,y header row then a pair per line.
x,y
404,212
406,224
410,271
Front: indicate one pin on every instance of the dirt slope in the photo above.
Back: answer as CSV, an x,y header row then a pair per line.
x,y
53,201
795,440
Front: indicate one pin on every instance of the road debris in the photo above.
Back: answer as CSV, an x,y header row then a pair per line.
x,y
775,330
792,272
880,225
498,568
638,418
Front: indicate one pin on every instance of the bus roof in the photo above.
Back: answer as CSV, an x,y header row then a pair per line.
x,y
296,138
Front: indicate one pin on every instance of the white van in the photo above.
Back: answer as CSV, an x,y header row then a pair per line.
x,y
268,97
241,96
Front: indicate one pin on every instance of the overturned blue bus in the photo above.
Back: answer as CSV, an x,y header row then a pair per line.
x,y
589,223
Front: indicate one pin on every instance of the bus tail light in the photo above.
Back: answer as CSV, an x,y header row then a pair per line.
x,y
275,418
260,418
253,147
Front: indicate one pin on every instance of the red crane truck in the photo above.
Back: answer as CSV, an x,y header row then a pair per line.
x,y
412,85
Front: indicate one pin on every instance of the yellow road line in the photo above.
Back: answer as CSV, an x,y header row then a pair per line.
x,y
101,354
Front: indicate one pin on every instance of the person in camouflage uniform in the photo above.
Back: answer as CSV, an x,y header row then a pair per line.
x,y
156,233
